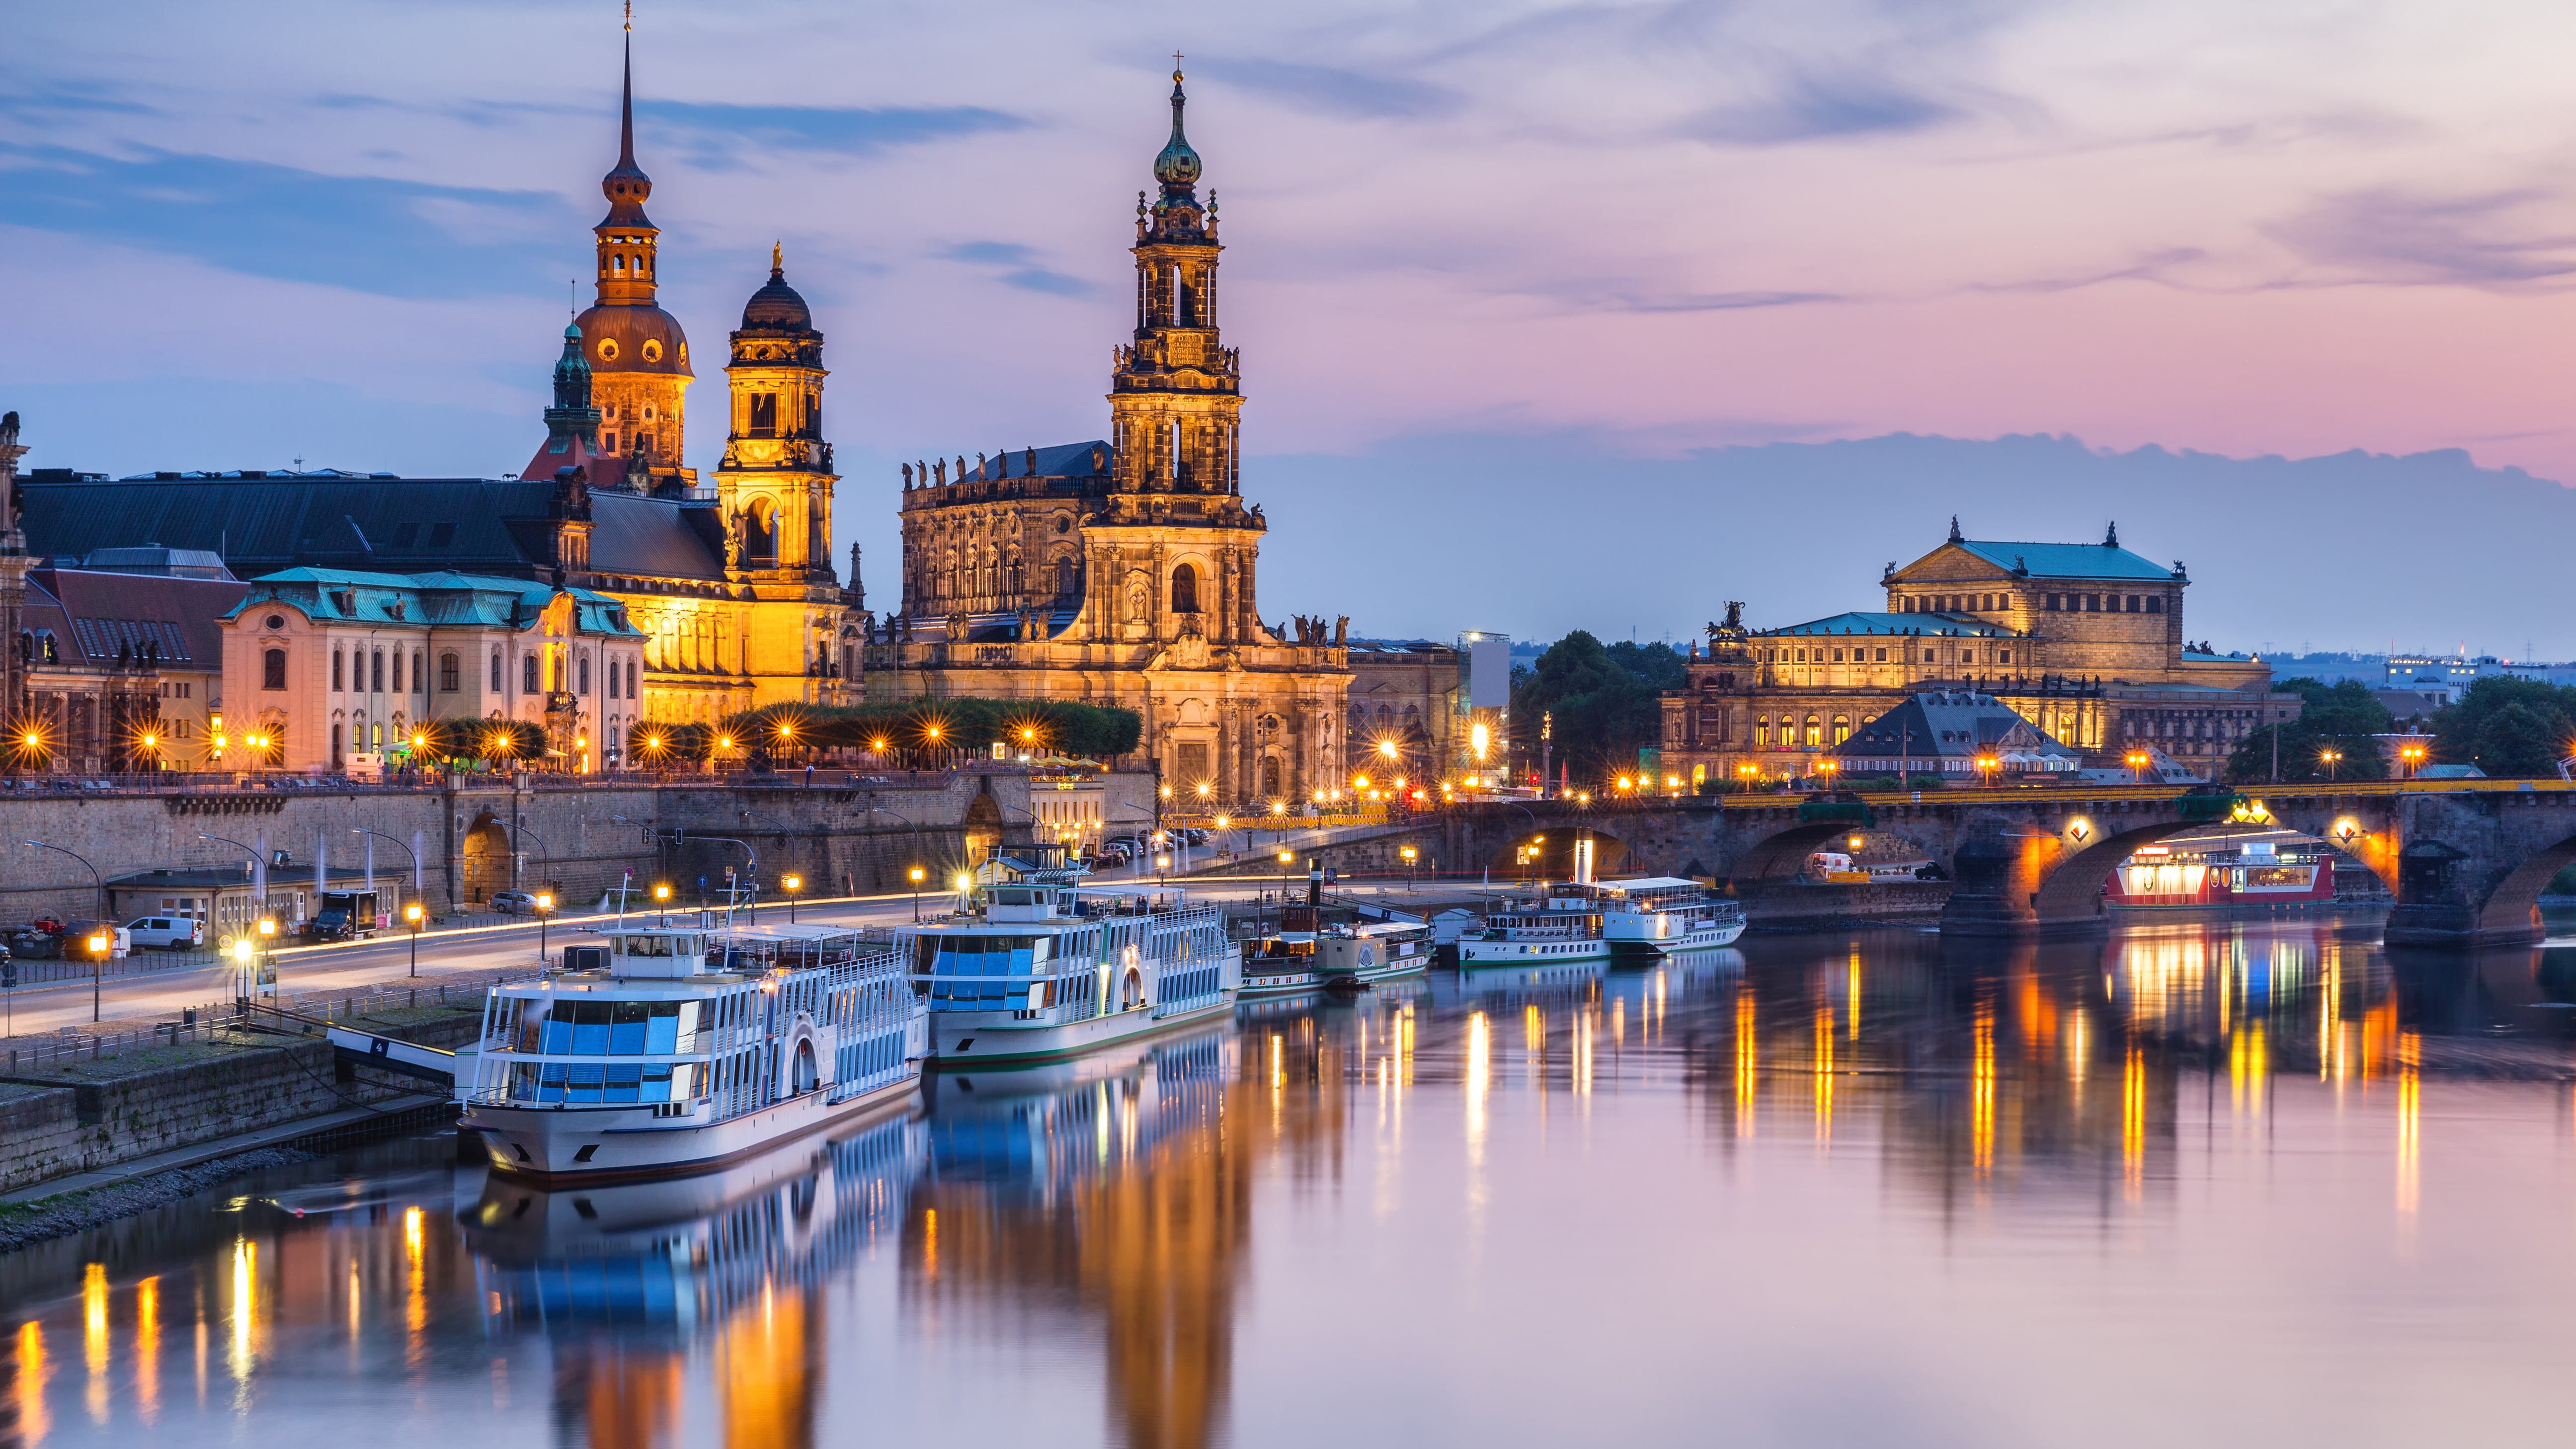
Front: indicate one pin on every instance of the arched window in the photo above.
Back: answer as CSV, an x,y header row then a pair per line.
x,y
630,679
760,535
1064,577
272,668
1185,590
1762,729
447,674
583,684
1842,728
335,671
1270,776
335,744
496,671
528,673
376,673
1815,731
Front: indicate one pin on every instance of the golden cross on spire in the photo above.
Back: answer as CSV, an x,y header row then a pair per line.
x,y
630,14
1176,58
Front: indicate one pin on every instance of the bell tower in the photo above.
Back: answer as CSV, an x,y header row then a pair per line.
x,y
638,354
1175,396
776,478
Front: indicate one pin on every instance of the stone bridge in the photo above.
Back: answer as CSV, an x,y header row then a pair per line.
x,y
2466,860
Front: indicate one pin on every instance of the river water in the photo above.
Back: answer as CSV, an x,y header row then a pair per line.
x,y
2200,1183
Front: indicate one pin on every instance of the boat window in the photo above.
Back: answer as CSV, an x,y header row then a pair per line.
x,y
608,1028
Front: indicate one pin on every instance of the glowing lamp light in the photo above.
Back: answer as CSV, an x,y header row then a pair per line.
x,y
917,874
545,900
1359,782
794,882
1204,787
662,889
412,913
1386,748
242,949
965,882
877,745
1286,856
268,925
1480,740
724,742
98,945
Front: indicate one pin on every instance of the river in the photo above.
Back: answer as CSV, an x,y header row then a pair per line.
x,y
2203,1182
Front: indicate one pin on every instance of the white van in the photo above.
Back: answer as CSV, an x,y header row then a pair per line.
x,y
171,933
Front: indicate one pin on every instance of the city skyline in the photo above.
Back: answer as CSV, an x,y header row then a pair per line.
x,y
1791,242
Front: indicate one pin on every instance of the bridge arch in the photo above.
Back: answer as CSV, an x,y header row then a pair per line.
x,y
1611,854
1783,855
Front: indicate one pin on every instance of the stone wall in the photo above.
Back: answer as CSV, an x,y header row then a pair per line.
x,y
496,834
119,1109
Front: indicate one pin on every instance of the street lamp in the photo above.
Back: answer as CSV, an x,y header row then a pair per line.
x,y
2330,759
545,903
407,850
242,950
98,952
917,874
2137,761
662,900
2413,755
791,884
1410,855
1986,767
411,916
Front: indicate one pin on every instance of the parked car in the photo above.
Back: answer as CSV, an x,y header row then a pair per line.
x,y
170,933
514,903
78,935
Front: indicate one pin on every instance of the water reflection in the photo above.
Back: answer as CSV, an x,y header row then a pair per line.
x,y
1174,1245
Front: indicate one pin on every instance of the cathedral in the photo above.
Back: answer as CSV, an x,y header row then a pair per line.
x,y
1123,571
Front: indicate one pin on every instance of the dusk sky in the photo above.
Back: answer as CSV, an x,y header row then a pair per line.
x,y
1523,290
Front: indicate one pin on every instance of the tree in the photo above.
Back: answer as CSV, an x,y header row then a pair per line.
x,y
2340,717
1605,700
2508,727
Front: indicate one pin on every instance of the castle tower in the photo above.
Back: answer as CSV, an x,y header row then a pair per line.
x,y
1175,396
639,357
776,479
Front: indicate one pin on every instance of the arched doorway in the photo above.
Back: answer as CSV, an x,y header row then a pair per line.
x,y
1131,990
486,849
806,1078
983,830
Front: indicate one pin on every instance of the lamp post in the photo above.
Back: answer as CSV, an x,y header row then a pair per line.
x,y
662,902
2137,761
1986,767
97,948
2330,759
242,950
2412,756
411,917
1410,854
541,845
917,874
545,905
791,884
408,913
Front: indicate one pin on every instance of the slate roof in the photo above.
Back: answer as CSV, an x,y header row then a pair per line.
x,y
1950,724
262,523
2068,560
1867,623
99,611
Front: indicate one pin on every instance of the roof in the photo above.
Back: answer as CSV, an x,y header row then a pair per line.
x,y
102,612
262,522
424,600
203,877
1950,723
1866,623
152,558
2068,560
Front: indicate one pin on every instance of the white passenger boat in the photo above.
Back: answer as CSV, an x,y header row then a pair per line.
x,y
1280,965
1647,918
1035,965
1356,956
1551,930
678,1049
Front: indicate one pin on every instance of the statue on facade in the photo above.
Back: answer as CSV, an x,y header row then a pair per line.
x,y
979,465
1029,463
1341,631
907,477
941,469
1138,594
961,467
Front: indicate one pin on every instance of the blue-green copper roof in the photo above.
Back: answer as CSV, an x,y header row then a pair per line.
x,y
1863,623
431,599
2068,560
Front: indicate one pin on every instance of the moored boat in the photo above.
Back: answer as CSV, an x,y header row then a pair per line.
x,y
670,1050
1650,917
1035,965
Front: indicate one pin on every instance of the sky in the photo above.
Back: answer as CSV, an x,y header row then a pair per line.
x,y
1552,315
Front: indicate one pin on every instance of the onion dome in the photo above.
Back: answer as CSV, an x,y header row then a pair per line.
x,y
626,185
1177,167
776,307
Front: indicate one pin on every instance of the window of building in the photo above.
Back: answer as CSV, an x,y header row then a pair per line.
x,y
1842,728
496,671
1815,731
764,415
2003,656
335,671
527,674
630,679
584,684
335,744
447,673
272,669
376,673
1185,590
2155,604
1762,729
1882,656
1927,656
398,671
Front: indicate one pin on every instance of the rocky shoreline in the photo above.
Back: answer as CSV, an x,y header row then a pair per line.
x,y
27,1224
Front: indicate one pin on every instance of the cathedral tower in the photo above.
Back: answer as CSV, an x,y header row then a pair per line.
x,y
639,357
1175,397
776,479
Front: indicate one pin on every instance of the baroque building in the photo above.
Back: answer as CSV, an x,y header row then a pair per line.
x,y
2085,641
731,587
1124,571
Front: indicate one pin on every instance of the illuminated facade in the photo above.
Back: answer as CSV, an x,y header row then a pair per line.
x,y
2085,641
1123,571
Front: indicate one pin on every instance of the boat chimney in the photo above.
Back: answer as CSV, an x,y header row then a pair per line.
x,y
1314,882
